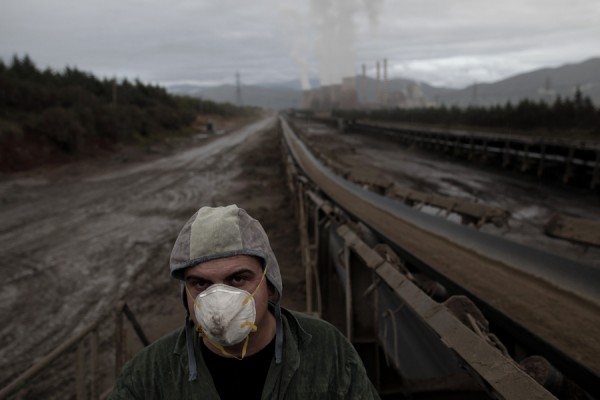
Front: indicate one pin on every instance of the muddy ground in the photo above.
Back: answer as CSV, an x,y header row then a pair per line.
x,y
77,239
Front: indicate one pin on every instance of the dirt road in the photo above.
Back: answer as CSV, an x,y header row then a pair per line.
x,y
77,240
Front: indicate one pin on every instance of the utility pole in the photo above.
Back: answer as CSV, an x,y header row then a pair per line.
x,y
238,89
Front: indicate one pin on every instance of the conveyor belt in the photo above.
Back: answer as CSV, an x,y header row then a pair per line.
x,y
516,268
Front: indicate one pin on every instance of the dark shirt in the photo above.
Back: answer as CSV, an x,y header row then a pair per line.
x,y
239,379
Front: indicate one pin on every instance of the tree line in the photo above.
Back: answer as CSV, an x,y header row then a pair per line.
x,y
73,110
567,114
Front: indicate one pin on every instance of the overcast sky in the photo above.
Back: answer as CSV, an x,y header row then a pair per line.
x,y
443,42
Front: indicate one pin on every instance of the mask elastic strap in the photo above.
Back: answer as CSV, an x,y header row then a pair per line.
x,y
262,278
222,349
192,297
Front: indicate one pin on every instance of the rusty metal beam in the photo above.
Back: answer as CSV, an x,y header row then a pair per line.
x,y
500,372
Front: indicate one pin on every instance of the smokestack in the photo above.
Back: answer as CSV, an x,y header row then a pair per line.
x,y
378,88
385,81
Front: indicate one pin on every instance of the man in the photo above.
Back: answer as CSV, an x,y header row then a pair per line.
x,y
239,342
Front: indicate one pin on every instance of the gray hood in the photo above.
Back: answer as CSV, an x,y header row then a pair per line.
x,y
220,232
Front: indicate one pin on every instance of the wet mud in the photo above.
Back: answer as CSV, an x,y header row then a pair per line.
x,y
78,239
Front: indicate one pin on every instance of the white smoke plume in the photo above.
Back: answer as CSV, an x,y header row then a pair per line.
x,y
296,32
373,8
330,27
333,22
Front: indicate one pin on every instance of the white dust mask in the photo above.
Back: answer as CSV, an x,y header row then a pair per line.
x,y
225,314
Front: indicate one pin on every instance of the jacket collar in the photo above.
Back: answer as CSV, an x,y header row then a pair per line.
x,y
278,377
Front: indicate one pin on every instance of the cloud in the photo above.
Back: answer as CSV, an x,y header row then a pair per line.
x,y
458,43
449,43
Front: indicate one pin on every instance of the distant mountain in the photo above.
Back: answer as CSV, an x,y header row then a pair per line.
x,y
275,97
543,84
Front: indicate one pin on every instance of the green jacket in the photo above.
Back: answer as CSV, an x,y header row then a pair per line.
x,y
318,363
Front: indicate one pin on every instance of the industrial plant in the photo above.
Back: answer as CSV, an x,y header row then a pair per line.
x,y
364,92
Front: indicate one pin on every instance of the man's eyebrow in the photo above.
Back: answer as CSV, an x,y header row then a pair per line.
x,y
243,269
240,271
192,276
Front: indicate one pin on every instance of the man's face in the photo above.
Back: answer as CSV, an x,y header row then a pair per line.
x,y
243,272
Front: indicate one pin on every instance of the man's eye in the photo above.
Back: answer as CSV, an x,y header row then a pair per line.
x,y
239,279
199,284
